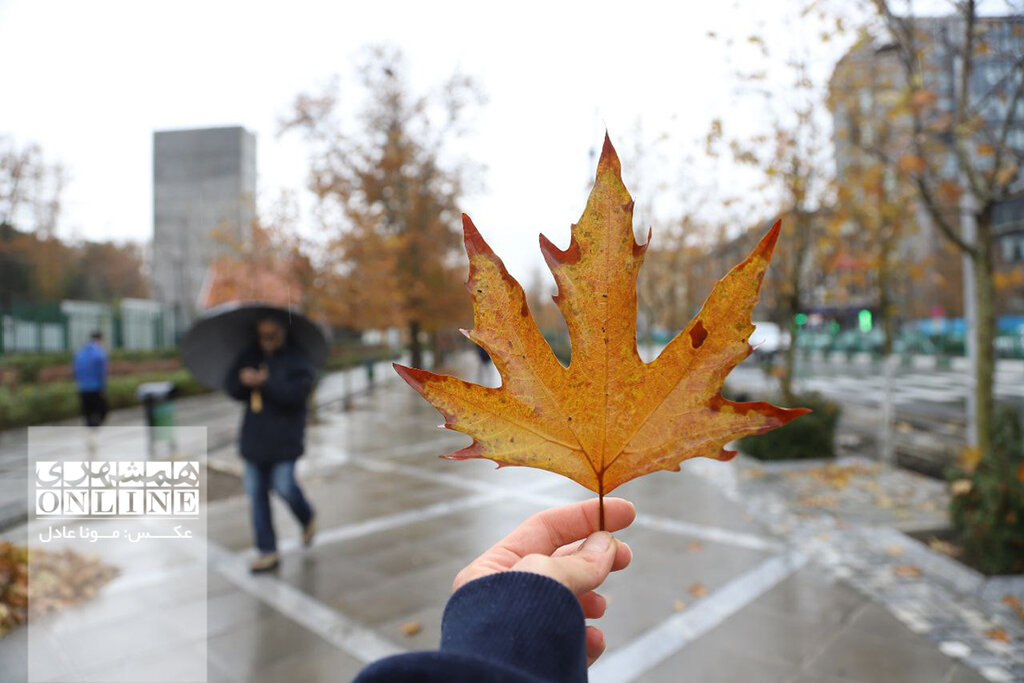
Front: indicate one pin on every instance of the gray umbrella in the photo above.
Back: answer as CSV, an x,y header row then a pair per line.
x,y
213,343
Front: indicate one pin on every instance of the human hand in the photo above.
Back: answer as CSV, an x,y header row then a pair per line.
x,y
251,377
548,543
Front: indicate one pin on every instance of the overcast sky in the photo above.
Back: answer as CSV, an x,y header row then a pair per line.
x,y
91,81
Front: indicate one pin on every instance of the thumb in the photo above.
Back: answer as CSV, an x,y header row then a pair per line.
x,y
581,571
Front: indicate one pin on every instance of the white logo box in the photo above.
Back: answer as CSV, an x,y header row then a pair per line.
x,y
69,488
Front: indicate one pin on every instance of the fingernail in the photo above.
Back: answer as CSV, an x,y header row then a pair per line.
x,y
598,542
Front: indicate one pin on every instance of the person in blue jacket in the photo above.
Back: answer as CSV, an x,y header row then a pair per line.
x,y
274,378
90,370
517,612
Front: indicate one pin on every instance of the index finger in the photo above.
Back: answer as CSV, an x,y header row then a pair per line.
x,y
547,531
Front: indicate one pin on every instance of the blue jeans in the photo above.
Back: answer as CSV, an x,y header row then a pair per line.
x,y
280,476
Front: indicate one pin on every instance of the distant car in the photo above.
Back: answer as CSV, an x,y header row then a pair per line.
x,y
767,339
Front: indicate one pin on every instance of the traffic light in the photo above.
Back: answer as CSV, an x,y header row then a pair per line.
x,y
864,318
801,319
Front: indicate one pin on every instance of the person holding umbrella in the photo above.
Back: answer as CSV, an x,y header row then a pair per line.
x,y
274,378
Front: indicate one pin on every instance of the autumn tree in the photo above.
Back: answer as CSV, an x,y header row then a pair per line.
x,y
792,158
962,86
388,184
106,271
875,209
271,263
30,194
30,188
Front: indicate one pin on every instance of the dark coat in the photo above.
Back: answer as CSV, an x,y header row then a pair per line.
x,y
511,627
276,433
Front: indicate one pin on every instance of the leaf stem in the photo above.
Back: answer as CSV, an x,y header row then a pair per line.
x,y
600,498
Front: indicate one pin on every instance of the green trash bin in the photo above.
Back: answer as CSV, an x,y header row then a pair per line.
x,y
157,402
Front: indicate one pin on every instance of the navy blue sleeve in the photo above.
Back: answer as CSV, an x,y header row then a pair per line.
x,y
512,627
232,385
293,386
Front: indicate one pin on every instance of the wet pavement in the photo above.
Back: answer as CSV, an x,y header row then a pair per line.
x,y
735,576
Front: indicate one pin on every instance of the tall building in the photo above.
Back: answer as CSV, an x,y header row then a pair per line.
x,y
871,120
204,189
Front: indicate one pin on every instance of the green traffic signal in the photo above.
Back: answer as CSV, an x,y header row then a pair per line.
x,y
864,318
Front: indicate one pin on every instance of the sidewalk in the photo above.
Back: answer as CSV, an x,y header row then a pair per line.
x,y
741,571
219,414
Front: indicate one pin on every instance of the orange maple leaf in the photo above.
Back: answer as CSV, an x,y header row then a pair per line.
x,y
608,417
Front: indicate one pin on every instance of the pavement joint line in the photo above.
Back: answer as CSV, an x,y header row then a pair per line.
x,y
337,534
362,643
347,532
680,528
533,495
388,467
444,442
649,649
710,533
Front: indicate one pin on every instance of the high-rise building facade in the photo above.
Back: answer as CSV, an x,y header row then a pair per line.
x,y
872,122
204,189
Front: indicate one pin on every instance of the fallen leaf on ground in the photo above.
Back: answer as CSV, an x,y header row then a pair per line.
x,y
59,579
694,546
678,606
698,590
908,571
998,634
895,550
608,417
944,547
819,501
410,628
1013,603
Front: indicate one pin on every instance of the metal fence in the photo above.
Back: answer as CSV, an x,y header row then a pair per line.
x,y
133,324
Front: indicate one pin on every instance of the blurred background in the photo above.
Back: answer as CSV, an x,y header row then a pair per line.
x,y
160,159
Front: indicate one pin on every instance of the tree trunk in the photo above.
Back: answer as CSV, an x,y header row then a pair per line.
x,y
885,306
984,334
415,348
789,353
794,300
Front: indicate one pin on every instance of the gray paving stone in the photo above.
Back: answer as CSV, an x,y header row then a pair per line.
x,y
713,663
249,649
892,654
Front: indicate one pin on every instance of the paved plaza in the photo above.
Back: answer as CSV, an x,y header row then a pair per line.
x,y
742,571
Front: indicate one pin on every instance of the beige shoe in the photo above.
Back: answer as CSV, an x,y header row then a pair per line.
x,y
264,563
309,531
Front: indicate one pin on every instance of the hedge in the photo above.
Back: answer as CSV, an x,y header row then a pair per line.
x,y
809,436
32,404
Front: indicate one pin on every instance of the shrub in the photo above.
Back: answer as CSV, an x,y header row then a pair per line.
x,y
29,365
34,404
987,506
343,357
809,436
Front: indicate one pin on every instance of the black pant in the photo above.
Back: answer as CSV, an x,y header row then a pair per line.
x,y
94,407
